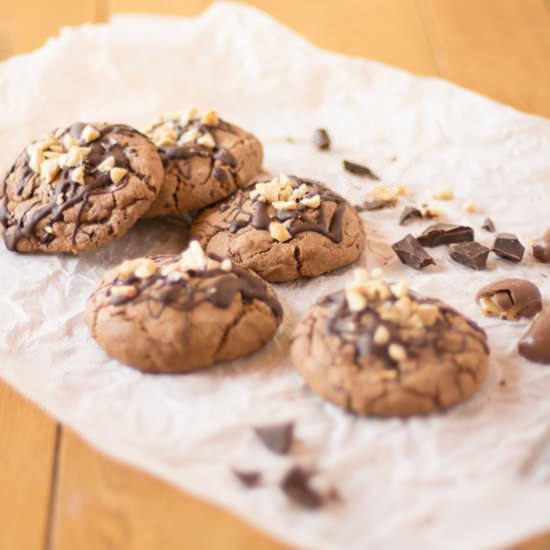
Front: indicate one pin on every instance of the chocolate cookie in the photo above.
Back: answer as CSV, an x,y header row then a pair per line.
x,y
173,314
283,229
379,349
205,160
78,188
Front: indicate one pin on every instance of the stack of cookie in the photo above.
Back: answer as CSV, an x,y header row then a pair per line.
x,y
373,348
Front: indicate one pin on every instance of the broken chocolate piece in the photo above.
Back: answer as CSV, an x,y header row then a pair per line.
x,y
248,479
359,170
277,438
470,254
445,233
541,248
534,345
488,225
411,253
375,205
321,139
408,214
507,246
296,487
510,299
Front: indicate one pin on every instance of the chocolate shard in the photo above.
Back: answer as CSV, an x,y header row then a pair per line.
x,y
541,248
470,254
249,479
411,253
277,438
321,139
296,487
408,214
534,345
507,246
445,233
359,170
375,205
488,225
510,299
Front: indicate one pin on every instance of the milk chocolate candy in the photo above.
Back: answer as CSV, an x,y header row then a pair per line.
x,y
510,299
541,248
535,343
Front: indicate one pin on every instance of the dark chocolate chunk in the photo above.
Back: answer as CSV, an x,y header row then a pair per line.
x,y
277,438
411,253
507,246
296,487
375,205
445,233
488,225
408,214
321,139
470,254
541,248
359,170
249,478
510,299
534,345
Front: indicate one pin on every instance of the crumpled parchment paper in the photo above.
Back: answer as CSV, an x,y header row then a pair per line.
x,y
448,480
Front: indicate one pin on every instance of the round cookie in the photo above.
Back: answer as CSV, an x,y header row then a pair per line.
x,y
205,160
78,188
173,314
382,350
284,229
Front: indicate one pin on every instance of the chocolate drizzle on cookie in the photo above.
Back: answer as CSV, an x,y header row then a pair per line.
x,y
261,214
65,192
161,290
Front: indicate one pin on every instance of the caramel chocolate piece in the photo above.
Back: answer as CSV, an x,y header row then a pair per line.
x,y
488,225
296,487
359,170
470,254
534,345
249,479
507,246
411,253
321,139
541,248
408,214
510,299
277,438
445,233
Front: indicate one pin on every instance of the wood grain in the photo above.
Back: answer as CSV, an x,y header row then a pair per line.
x,y
500,48
27,450
105,504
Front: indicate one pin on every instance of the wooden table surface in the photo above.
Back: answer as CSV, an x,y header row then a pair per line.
x,y
58,493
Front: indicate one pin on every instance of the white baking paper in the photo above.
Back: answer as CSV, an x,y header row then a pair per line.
x,y
445,481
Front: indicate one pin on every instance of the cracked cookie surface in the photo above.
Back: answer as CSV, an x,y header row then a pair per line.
x,y
284,229
78,188
173,314
205,160
389,352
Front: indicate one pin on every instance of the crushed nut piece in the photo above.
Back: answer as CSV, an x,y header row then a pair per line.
x,y
210,118
89,134
117,174
443,195
77,174
388,374
48,229
76,155
37,156
279,232
470,206
49,169
106,164
381,335
146,268
124,291
285,205
428,313
62,160
312,202
357,301
226,265
189,113
207,140
397,352
164,137
193,257
69,141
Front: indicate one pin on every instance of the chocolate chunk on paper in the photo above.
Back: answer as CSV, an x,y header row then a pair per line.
x,y
534,345
376,205
510,299
470,254
488,225
277,437
507,246
445,233
409,213
541,248
359,170
411,253
248,478
321,139
296,487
